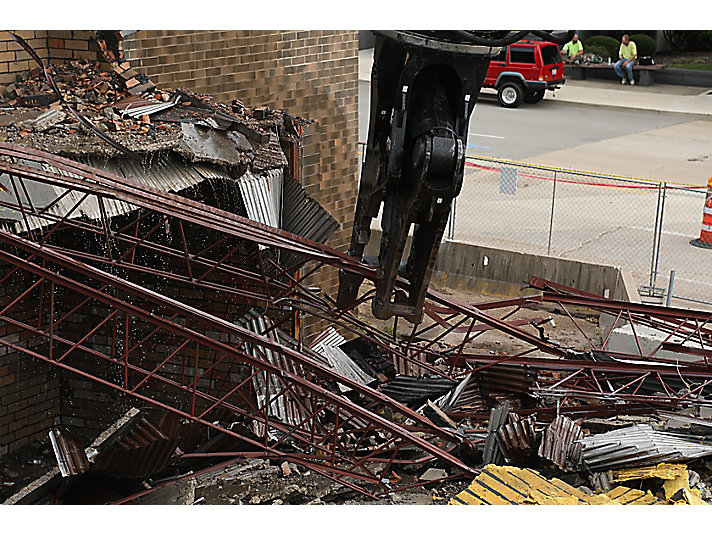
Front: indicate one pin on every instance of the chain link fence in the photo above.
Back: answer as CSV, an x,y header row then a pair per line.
x,y
643,226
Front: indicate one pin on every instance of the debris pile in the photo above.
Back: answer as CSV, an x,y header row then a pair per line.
x,y
61,108
191,315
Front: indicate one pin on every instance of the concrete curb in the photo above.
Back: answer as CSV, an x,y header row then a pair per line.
x,y
506,273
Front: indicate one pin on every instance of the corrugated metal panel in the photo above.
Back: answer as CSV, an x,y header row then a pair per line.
x,y
506,379
343,365
517,439
71,457
466,396
137,450
561,444
408,367
304,216
418,390
638,446
166,172
498,417
448,401
262,195
327,344
329,337
284,408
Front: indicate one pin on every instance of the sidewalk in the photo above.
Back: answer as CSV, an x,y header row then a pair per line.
x,y
659,97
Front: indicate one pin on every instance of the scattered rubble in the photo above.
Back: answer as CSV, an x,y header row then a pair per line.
x,y
492,396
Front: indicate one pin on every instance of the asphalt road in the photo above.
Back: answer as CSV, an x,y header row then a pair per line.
x,y
653,145
549,126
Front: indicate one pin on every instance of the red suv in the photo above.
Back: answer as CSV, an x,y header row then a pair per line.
x,y
524,71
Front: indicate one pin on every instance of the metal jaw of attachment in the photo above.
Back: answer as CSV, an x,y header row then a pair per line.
x,y
422,94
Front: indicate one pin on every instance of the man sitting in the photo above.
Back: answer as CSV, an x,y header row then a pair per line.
x,y
627,54
573,50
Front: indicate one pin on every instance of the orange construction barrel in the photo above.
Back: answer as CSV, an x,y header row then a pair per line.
x,y
705,240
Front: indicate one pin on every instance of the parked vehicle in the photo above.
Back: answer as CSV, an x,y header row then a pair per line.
x,y
524,71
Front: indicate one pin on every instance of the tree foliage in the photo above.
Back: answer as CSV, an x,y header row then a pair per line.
x,y
689,40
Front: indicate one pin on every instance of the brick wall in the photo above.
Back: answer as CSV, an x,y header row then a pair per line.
x,y
29,389
313,74
52,46
14,59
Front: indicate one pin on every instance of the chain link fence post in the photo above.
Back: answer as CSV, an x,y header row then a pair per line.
x,y
451,220
654,274
551,219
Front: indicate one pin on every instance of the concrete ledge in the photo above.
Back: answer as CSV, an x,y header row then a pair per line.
x,y
506,273
669,76
503,271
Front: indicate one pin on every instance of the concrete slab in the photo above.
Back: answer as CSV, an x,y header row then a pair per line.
x,y
625,340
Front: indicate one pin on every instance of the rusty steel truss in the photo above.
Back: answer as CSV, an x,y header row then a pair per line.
x,y
114,269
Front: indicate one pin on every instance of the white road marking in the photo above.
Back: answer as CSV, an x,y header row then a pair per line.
x,y
664,232
486,135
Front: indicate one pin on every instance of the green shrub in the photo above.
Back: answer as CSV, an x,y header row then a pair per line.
x,y
689,40
608,43
646,45
599,51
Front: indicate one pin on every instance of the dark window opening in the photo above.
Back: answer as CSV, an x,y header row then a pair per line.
x,y
550,54
522,55
502,55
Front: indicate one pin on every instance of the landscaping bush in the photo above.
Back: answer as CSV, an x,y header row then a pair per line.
x,y
689,40
608,43
646,45
599,51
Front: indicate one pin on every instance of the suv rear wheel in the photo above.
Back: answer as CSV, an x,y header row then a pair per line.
x,y
510,94
532,97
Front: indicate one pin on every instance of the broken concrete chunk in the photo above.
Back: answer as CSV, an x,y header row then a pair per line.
x,y
48,119
433,474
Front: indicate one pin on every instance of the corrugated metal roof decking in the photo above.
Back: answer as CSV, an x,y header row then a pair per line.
x,y
166,172
517,439
304,216
560,443
283,407
71,457
498,417
327,344
407,389
638,446
262,195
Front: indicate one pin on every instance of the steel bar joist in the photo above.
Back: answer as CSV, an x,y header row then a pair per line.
x,y
653,384
93,248
145,292
686,331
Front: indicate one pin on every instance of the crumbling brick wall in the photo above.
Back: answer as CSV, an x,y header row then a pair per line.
x,y
52,46
313,74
